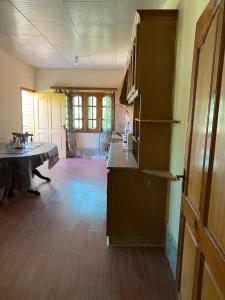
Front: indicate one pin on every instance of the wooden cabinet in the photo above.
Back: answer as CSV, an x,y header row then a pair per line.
x,y
149,84
136,203
137,194
123,94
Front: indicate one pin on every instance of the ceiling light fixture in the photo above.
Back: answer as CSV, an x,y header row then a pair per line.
x,y
76,61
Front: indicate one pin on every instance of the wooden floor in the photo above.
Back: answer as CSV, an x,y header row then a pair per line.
x,y
54,247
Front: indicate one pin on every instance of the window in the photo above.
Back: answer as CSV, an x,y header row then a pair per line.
x,y
92,113
27,98
106,113
77,113
89,112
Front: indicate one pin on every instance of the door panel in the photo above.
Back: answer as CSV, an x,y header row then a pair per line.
x,y
216,219
189,257
203,92
43,120
209,287
50,120
58,140
44,137
56,112
58,116
201,255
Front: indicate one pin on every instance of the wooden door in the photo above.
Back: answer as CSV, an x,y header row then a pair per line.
x,y
50,120
201,253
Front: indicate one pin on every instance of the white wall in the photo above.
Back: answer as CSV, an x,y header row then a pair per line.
x,y
76,77
82,140
189,13
86,78
14,74
171,4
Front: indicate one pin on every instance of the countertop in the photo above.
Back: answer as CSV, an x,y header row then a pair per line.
x,y
119,157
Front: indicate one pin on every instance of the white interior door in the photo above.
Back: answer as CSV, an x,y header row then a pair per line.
x,y
50,117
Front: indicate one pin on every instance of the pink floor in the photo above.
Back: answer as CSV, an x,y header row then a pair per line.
x,y
54,247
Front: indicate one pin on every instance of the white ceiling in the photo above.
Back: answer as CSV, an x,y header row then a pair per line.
x,y
50,33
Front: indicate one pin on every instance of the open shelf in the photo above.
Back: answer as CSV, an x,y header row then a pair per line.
x,y
135,216
135,139
157,121
133,96
160,173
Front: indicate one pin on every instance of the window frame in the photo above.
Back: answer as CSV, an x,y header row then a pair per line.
x,y
99,96
83,116
98,112
31,91
112,110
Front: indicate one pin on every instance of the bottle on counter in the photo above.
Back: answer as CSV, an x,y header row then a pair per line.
x,y
127,129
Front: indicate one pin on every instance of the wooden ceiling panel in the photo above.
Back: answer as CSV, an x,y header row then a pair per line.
x,y
20,52
13,22
59,33
41,10
125,9
84,62
96,30
55,31
96,12
57,61
70,52
103,60
17,28
35,44
123,34
121,57
99,44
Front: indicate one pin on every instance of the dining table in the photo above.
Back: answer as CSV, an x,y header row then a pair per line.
x,y
18,166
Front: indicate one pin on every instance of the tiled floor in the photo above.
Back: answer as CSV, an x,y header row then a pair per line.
x,y
54,247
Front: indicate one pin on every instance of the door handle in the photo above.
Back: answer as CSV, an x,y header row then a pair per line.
x,y
183,178
64,127
179,177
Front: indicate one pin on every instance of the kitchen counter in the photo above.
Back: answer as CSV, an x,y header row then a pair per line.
x,y
119,157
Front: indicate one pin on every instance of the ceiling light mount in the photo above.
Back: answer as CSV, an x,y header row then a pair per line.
x,y
76,61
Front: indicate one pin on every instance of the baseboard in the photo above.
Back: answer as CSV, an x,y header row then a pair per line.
x,y
84,152
119,243
171,251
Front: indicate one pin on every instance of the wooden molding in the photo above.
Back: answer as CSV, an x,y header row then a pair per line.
x,y
160,173
165,13
27,89
157,121
101,89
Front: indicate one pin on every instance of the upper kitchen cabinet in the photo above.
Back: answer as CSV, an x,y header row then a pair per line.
x,y
149,84
150,70
123,94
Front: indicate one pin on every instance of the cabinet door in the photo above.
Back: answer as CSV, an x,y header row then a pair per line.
x,y
123,95
136,58
201,263
108,212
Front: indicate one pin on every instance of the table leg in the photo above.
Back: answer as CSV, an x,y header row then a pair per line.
x,y
38,174
33,192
